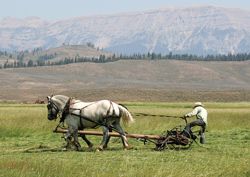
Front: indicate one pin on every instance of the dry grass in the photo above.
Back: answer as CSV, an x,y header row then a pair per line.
x,y
131,81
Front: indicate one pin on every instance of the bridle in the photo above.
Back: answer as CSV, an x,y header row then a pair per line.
x,y
51,105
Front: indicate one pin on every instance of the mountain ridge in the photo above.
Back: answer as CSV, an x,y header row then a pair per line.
x,y
195,30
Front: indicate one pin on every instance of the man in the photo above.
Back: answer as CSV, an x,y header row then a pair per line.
x,y
201,114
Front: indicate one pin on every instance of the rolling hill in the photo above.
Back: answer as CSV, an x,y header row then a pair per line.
x,y
55,54
139,80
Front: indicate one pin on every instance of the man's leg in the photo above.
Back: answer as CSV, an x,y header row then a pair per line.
x,y
202,134
187,129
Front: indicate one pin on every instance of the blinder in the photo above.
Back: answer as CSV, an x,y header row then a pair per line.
x,y
52,110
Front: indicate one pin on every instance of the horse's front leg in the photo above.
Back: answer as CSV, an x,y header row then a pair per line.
x,y
72,132
76,142
105,138
70,138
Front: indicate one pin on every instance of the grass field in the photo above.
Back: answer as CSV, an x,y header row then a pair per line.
x,y
28,146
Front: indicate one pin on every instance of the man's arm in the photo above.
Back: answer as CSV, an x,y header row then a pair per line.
x,y
193,113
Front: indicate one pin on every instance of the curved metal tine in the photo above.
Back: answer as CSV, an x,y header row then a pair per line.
x,y
144,140
163,146
196,132
189,144
173,145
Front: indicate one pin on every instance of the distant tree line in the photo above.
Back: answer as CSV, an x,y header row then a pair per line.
x,y
47,59
187,57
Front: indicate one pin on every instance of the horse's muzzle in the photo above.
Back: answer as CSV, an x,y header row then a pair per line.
x,y
51,117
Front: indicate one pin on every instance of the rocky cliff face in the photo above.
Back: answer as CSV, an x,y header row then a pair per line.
x,y
195,30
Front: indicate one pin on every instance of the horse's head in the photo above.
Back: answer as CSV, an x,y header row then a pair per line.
x,y
53,109
56,104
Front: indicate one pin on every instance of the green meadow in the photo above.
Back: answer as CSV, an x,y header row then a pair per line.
x,y
29,148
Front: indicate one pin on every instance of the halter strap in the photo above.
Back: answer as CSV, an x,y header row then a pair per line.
x,y
64,112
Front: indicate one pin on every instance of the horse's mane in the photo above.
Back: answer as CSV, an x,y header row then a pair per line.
x,y
61,100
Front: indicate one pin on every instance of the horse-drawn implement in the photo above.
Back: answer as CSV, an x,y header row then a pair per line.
x,y
171,139
106,114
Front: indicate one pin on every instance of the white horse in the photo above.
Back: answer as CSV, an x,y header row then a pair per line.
x,y
79,115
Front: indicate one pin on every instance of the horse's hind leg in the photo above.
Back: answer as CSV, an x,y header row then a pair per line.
x,y
107,141
118,127
105,138
90,145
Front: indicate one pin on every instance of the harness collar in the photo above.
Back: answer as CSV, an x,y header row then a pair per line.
x,y
65,110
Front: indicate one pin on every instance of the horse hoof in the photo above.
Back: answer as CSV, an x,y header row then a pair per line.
x,y
99,149
64,149
91,146
79,149
128,148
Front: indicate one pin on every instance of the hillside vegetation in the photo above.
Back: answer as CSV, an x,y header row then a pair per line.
x,y
139,80
68,54
53,56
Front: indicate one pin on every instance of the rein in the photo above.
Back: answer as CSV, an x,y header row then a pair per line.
x,y
154,115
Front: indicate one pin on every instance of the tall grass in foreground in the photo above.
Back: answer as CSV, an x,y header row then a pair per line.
x,y
29,148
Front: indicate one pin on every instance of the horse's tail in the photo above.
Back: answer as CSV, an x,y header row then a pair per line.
x,y
125,114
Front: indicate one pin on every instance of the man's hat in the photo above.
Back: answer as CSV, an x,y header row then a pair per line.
x,y
198,104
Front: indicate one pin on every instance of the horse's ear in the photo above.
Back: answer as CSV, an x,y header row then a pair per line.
x,y
49,97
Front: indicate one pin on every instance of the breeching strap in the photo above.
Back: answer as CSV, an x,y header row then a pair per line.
x,y
153,115
96,122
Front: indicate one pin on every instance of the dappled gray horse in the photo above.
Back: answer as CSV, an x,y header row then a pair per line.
x,y
79,115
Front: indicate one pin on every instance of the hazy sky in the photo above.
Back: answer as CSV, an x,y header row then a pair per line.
x,y
60,9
